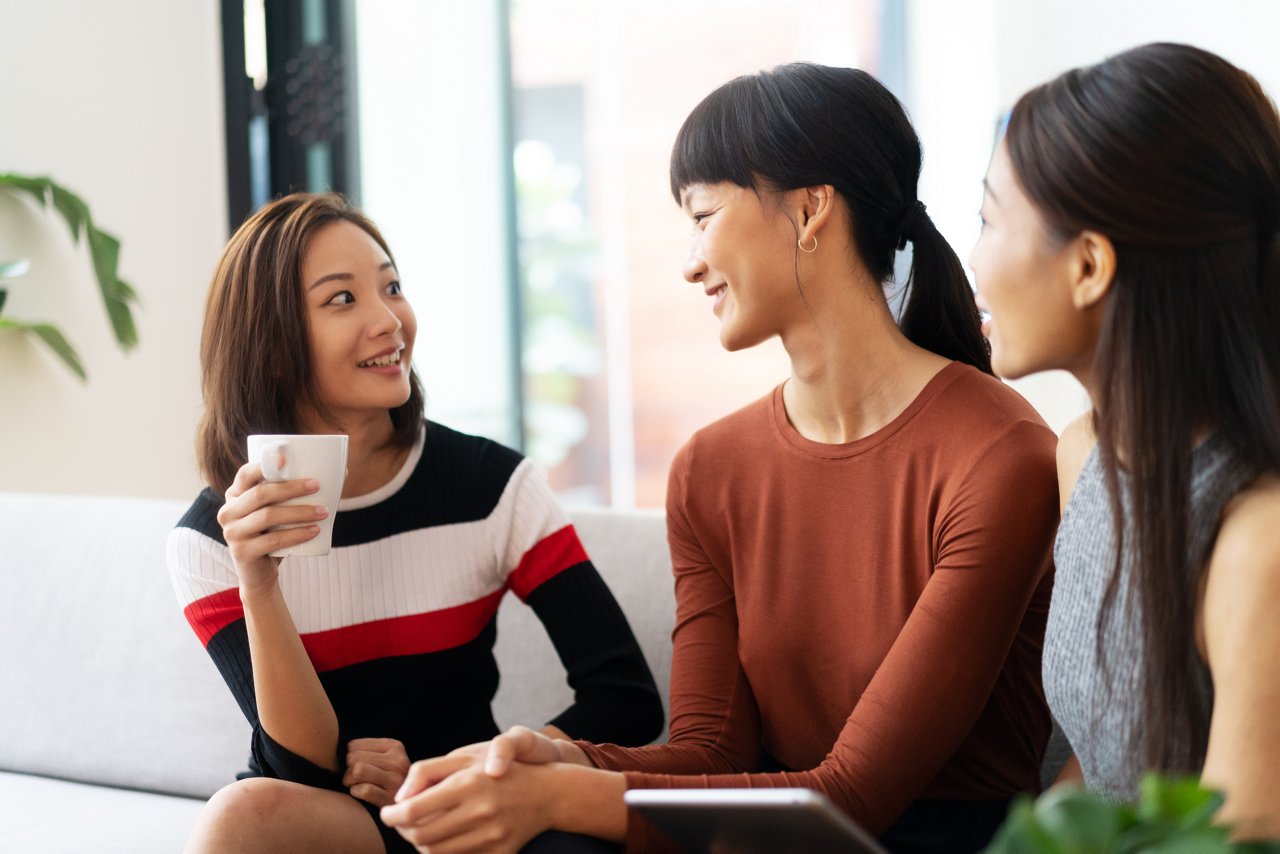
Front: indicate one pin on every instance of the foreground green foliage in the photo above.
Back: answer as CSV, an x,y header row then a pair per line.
x,y
1172,816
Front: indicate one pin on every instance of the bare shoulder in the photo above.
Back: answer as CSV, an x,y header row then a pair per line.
x,y
1074,446
1243,574
1248,544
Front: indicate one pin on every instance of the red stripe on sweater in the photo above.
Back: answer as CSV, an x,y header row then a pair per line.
x,y
549,557
212,614
412,635
333,648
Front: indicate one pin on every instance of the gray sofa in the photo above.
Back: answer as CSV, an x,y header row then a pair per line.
x,y
114,724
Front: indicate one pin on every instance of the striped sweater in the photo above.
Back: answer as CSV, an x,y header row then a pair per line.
x,y
399,618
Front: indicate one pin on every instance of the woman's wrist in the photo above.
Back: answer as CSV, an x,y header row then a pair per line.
x,y
571,754
586,800
258,593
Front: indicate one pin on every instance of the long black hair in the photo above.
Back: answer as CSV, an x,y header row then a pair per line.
x,y
802,125
1174,154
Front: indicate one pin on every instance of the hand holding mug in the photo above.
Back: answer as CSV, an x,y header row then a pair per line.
x,y
282,503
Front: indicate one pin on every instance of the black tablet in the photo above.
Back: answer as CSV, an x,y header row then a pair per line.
x,y
746,821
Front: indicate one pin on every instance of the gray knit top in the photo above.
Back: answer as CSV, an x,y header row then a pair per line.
x,y
1101,713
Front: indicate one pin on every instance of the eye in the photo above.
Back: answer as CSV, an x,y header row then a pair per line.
x,y
341,298
393,288
699,217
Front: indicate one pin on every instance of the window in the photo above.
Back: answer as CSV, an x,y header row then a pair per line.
x,y
515,155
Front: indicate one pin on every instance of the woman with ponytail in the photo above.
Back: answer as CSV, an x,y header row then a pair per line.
x,y
861,557
1132,237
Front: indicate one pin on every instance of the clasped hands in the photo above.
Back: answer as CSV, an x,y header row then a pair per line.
x,y
483,796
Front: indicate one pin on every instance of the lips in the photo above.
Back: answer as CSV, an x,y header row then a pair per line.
x,y
717,292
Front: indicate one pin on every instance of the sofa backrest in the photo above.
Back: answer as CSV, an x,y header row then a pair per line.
x,y
102,681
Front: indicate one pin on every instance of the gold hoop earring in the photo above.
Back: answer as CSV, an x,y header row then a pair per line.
x,y
808,251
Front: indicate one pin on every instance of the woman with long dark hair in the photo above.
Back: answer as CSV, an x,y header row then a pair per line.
x,y
861,557
1132,237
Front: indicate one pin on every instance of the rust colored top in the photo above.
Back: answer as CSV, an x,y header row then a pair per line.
x,y
869,614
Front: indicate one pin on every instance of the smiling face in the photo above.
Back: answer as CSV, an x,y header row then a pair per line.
x,y
360,326
743,256
1025,278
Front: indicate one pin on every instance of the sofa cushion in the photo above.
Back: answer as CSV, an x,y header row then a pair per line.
x,y
104,682
45,816
630,551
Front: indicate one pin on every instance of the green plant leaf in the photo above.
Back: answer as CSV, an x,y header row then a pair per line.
x,y
104,251
37,188
1021,832
116,294
54,339
13,269
1173,816
1180,800
73,210
1079,822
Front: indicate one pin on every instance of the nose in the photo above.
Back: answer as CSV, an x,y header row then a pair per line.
x,y
384,320
695,267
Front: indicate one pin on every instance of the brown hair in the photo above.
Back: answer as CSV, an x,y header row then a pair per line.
x,y
1174,154
255,354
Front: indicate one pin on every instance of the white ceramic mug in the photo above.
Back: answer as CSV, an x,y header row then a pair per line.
x,y
324,458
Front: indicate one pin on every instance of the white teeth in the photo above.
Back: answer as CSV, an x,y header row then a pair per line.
x,y
382,361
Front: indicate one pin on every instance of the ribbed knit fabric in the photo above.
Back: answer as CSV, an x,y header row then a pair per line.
x,y
399,618
1100,710
868,614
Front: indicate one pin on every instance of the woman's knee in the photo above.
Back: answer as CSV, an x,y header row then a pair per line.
x,y
243,816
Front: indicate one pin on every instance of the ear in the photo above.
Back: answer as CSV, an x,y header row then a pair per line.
x,y
1093,269
815,205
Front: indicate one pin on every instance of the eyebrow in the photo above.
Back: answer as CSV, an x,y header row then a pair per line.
x,y
345,277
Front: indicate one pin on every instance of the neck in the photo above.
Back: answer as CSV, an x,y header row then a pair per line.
x,y
852,369
371,460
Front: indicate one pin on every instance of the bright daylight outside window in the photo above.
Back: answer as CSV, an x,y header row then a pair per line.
x,y
619,360
621,356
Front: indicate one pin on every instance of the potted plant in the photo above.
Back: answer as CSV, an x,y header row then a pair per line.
x,y
104,250
1171,815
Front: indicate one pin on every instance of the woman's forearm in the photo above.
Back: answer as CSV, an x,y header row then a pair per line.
x,y
292,705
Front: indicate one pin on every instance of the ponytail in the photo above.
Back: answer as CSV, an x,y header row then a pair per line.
x,y
940,314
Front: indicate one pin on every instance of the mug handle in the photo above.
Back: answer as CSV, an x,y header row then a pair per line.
x,y
273,458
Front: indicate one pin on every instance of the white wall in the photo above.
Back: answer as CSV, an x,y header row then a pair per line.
x,y
969,61
122,103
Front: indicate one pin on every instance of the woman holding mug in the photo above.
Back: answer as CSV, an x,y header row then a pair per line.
x,y
351,664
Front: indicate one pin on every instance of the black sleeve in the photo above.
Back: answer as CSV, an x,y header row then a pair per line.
x,y
229,650
615,699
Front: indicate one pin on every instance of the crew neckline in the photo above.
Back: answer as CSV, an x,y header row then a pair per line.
x,y
822,450
391,487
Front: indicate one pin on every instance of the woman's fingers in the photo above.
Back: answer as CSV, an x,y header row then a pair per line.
x,y
257,496
375,745
370,772
255,524
424,774
519,744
